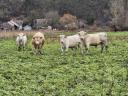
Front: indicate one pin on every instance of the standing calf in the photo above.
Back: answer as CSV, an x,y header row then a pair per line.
x,y
69,42
21,41
94,40
38,42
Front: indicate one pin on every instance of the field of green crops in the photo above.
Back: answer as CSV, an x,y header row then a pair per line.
x,y
53,74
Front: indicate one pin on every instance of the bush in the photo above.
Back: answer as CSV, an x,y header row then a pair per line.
x,y
68,19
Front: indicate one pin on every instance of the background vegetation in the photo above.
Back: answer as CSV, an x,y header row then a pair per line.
x,y
106,11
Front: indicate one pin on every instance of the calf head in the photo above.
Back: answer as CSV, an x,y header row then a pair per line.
x,y
62,39
82,34
37,40
20,37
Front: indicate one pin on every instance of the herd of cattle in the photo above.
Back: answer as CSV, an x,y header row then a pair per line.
x,y
82,40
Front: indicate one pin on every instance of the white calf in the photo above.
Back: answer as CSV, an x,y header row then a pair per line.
x,y
21,41
94,39
69,42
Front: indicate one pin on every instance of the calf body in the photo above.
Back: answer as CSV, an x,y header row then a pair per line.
x,y
38,42
21,41
69,42
94,40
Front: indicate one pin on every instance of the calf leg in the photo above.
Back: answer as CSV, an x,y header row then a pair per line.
x,y
67,48
74,50
35,50
106,47
87,48
19,48
102,47
23,47
82,48
40,52
62,49
39,49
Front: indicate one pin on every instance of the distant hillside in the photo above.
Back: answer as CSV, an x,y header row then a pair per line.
x,y
89,10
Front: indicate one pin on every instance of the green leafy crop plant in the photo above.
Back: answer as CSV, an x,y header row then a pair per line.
x,y
54,74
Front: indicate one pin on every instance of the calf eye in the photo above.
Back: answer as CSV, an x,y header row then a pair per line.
x,y
40,37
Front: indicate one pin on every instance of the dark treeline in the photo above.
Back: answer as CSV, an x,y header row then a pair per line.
x,y
89,10
37,8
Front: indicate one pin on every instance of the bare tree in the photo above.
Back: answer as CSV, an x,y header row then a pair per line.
x,y
119,13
